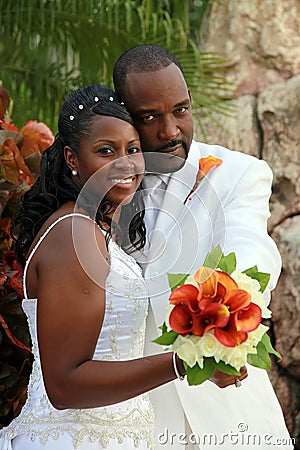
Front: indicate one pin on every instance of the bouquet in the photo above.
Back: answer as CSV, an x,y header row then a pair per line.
x,y
215,319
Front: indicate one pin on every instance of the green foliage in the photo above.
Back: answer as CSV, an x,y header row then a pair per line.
x,y
176,280
15,353
216,259
49,47
196,375
261,277
213,258
15,361
227,263
167,338
262,359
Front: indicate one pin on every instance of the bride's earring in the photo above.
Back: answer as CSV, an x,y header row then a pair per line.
x,y
74,172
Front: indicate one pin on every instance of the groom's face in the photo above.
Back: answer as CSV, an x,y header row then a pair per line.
x,y
160,104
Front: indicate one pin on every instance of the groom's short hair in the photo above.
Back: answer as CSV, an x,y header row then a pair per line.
x,y
142,58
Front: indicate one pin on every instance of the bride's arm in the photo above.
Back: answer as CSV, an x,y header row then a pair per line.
x,y
71,304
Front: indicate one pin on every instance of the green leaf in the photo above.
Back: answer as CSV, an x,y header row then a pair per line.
x,y
177,279
4,370
267,343
261,359
166,338
262,277
226,368
228,263
196,375
11,379
163,328
213,258
251,271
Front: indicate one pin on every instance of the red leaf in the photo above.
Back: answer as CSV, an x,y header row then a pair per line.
x,y
11,337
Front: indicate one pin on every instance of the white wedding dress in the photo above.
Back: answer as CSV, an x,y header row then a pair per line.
x,y
126,425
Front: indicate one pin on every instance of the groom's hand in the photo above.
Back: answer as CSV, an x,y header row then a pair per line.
x,y
223,380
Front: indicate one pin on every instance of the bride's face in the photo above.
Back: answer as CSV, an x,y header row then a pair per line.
x,y
110,160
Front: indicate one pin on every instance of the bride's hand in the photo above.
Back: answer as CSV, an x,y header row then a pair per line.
x,y
223,380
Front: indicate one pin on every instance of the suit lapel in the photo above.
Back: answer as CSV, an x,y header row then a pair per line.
x,y
173,208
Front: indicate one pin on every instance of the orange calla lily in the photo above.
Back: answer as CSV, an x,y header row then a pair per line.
x,y
184,321
214,285
249,318
187,294
237,300
217,287
230,336
205,165
217,304
208,162
207,280
181,319
226,281
214,315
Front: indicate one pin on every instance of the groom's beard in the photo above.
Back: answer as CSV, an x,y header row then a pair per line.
x,y
168,158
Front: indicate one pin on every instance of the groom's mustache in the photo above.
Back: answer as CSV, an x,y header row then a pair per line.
x,y
170,145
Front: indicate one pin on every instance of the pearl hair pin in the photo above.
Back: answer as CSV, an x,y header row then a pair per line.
x,y
96,99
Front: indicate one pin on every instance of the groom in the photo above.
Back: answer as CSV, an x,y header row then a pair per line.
x,y
230,208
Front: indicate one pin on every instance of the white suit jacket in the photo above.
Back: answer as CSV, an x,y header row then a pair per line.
x,y
230,208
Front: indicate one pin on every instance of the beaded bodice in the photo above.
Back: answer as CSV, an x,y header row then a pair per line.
x,y
122,337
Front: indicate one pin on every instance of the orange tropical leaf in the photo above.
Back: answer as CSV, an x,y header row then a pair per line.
x,y
29,146
16,284
9,165
19,158
11,337
5,224
3,278
9,126
39,133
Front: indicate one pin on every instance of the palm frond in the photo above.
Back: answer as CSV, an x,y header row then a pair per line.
x,y
49,47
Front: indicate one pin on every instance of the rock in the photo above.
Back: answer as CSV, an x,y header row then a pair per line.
x,y
261,41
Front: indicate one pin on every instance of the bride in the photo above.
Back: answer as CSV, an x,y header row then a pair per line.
x,y
85,298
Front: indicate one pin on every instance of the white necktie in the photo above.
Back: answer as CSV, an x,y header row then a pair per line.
x,y
154,191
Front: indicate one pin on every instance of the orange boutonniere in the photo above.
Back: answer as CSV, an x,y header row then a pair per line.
x,y
205,164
